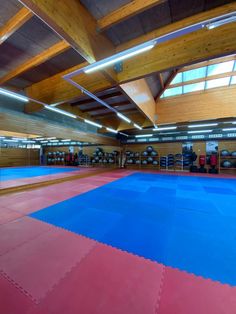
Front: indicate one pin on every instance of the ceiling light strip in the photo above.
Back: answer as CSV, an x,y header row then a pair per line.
x,y
200,131
165,128
137,126
111,130
225,18
118,57
93,123
202,125
143,135
8,93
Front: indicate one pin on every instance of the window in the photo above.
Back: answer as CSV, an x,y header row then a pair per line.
x,y
220,68
200,75
193,87
173,91
218,82
233,80
178,79
194,74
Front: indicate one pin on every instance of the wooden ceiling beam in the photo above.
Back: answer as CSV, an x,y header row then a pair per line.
x,y
188,49
161,80
167,84
112,113
14,24
90,100
37,60
74,24
56,90
197,18
139,92
125,12
118,104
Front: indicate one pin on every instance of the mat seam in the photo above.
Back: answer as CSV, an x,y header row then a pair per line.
x,y
160,289
139,256
25,242
25,292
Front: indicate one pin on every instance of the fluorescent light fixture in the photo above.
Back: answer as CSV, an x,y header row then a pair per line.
x,y
137,126
93,123
234,122
144,135
229,129
118,57
40,139
28,142
54,141
165,129
51,138
10,140
63,112
19,138
200,131
202,125
67,140
120,115
124,134
44,142
13,95
169,133
2,137
111,130
221,22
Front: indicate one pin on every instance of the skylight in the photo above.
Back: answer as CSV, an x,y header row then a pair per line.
x,y
194,74
218,82
173,91
233,80
220,68
195,80
193,87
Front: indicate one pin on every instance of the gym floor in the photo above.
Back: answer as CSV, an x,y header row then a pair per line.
x,y
18,176
120,242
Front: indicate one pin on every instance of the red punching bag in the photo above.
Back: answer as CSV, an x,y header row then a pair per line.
x,y
213,160
202,160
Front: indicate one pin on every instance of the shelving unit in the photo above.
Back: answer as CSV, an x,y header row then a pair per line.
x,y
230,158
167,167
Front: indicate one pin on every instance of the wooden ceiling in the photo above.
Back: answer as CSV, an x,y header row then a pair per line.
x,y
42,41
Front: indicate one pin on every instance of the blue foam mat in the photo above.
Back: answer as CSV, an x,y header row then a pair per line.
x,y
144,214
29,172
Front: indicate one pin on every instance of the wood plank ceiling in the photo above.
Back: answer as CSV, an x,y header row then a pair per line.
x,y
33,56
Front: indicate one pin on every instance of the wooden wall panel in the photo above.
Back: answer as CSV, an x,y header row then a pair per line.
x,y
27,124
212,104
10,157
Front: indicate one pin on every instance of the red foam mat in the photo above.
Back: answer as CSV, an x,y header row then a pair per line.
x,y
20,231
12,300
39,264
7,215
183,293
107,281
